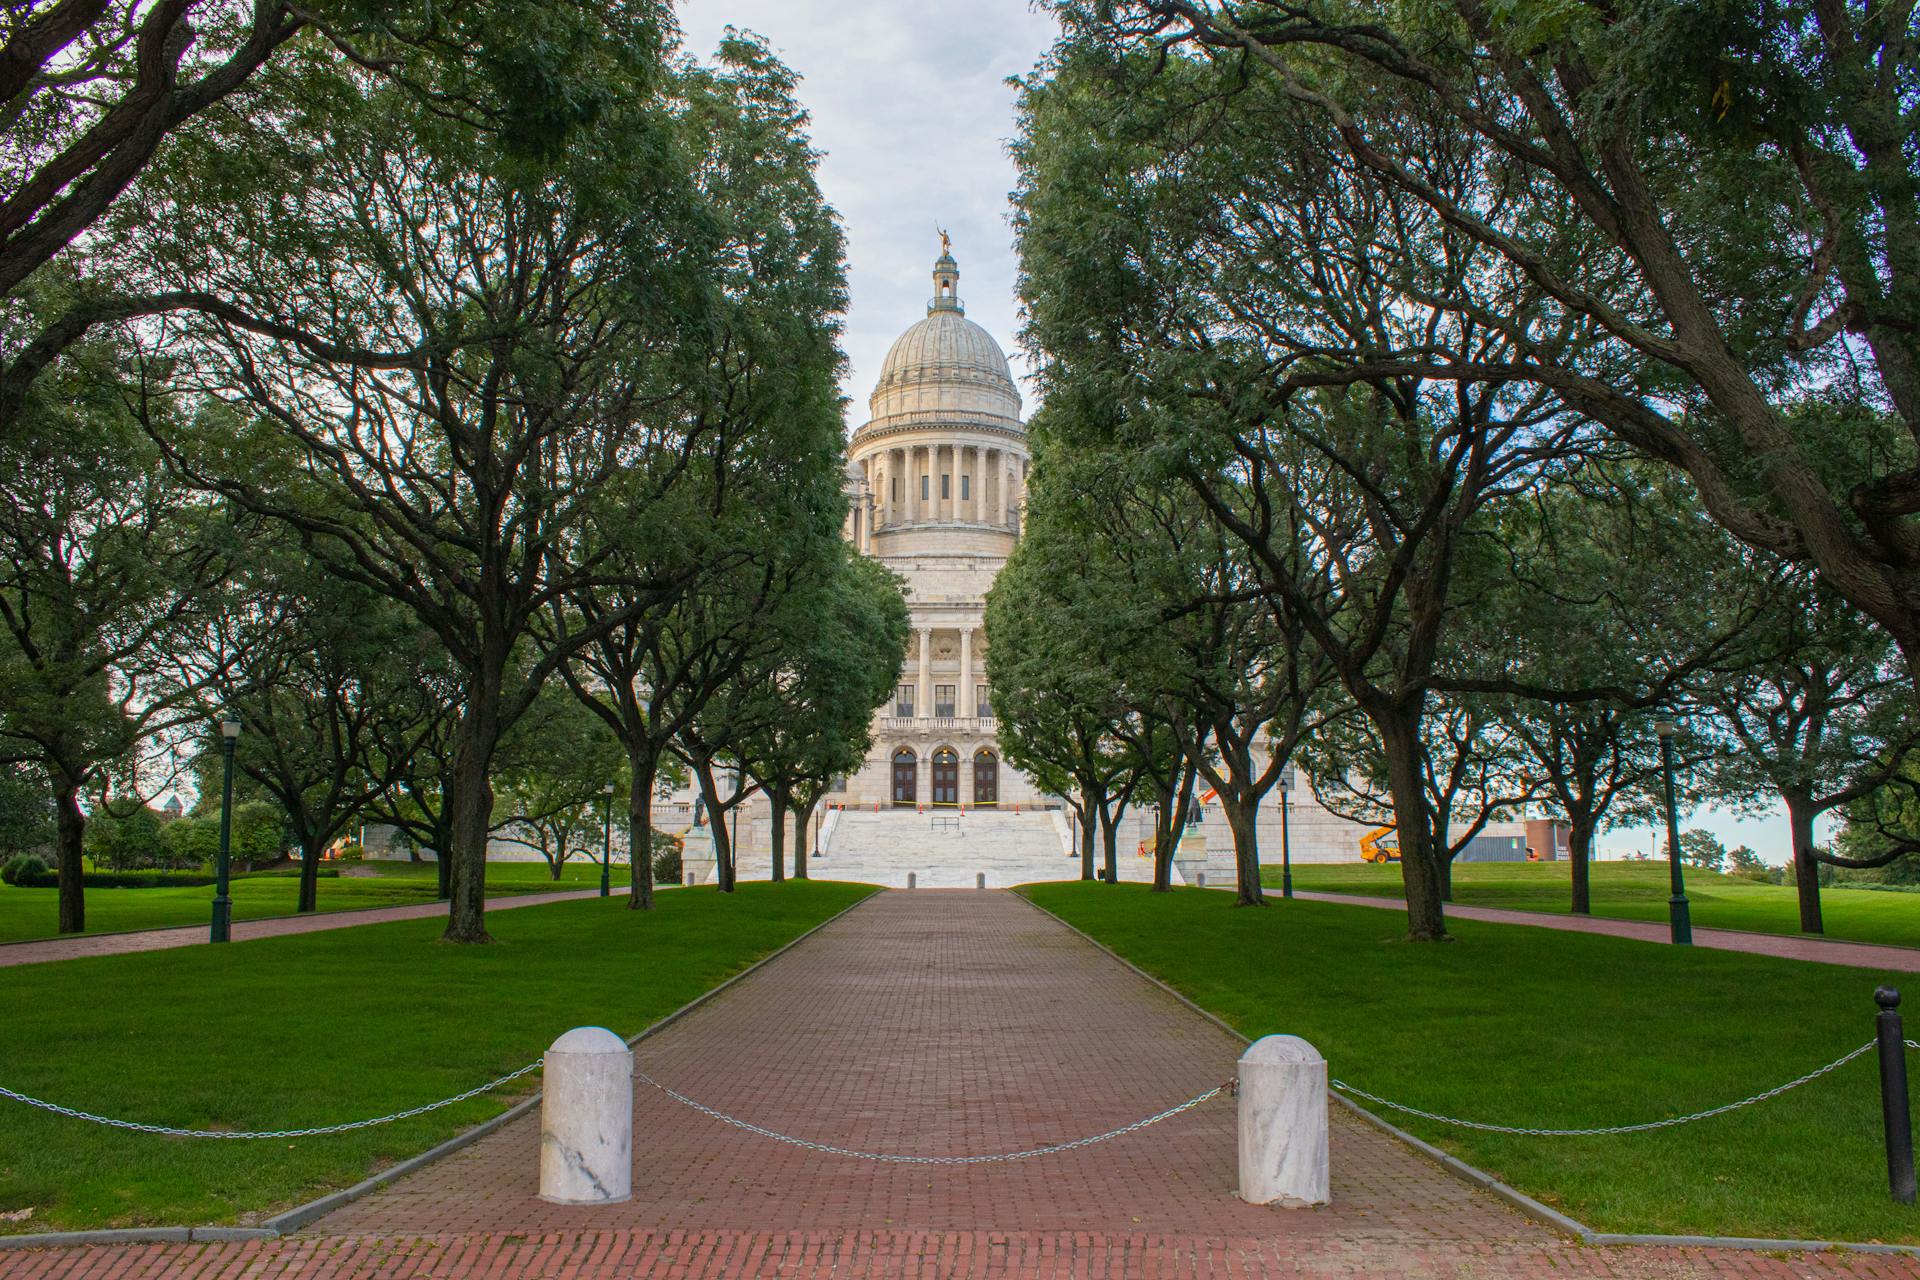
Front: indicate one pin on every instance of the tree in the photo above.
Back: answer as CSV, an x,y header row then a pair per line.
x,y
98,90
469,352
662,631
104,561
1701,848
314,668
1822,718
1742,861
1709,205
558,773
838,661
1239,311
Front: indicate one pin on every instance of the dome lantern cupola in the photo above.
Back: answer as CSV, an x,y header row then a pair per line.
x,y
946,280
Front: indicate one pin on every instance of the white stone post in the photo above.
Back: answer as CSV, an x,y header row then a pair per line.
x,y
1283,1123
964,695
586,1119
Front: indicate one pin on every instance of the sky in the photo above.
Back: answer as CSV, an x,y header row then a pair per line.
x,y
911,107
912,112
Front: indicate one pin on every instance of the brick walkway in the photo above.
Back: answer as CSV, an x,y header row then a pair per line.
x,y
933,1022
1860,955
115,944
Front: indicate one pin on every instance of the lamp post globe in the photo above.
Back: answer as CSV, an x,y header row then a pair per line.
x,y
606,848
222,901
1679,922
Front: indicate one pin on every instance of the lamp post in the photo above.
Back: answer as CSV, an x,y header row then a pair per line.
x,y
1286,848
222,903
606,848
1679,925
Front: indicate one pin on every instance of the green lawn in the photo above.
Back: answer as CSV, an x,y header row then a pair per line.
x,y
1638,891
1525,1026
34,913
327,1027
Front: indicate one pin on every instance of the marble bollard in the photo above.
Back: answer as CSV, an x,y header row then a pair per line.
x,y
912,879
1283,1123
980,880
586,1119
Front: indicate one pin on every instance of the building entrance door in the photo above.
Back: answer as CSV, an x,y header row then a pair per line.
x,y
906,777
946,776
986,778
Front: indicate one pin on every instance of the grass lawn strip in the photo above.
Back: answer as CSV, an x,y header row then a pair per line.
x,y
323,1028
1638,891
28,915
1523,1026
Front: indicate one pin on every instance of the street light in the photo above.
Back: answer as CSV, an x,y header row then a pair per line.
x,y
222,903
1286,849
606,849
1680,927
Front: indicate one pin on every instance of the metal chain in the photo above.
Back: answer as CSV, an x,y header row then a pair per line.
x,y
318,1131
1774,1092
889,1158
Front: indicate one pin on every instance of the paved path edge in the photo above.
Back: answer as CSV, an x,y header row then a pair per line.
x,y
293,1219
1480,1178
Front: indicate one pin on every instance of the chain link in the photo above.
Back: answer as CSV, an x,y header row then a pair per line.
x,y
1643,1127
171,1132
808,1144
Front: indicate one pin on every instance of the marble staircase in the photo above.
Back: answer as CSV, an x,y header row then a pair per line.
x,y
947,850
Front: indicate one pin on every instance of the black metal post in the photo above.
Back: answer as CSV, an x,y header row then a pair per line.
x,y
606,853
222,901
1895,1113
1286,848
1680,925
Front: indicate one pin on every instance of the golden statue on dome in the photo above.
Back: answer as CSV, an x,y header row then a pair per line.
x,y
946,242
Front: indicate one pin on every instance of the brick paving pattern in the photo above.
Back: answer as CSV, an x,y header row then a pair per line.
x,y
1860,955
118,944
949,1023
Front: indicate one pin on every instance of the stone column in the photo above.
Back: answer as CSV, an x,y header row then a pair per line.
x,y
964,694
996,467
925,707
974,454
1283,1123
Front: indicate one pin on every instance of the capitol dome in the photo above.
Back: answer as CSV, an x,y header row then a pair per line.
x,y
945,365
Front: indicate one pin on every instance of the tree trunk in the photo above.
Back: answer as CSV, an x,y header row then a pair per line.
x,y
1242,820
470,814
310,850
1806,869
442,864
1421,869
1580,828
70,826
642,766
802,831
1085,812
777,841
1109,844
716,824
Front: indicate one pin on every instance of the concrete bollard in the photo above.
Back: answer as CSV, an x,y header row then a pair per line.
x,y
586,1119
912,880
980,880
1283,1123
692,880
1200,880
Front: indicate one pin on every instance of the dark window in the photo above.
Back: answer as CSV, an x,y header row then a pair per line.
x,y
903,700
943,700
982,703
966,490
946,486
925,481
896,488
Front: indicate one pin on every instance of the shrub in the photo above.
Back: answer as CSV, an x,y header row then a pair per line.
x,y
350,852
23,864
666,859
259,836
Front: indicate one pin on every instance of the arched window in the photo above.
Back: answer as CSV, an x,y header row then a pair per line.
x,y
946,776
986,777
906,777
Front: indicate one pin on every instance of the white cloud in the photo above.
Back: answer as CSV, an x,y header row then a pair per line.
x,y
912,111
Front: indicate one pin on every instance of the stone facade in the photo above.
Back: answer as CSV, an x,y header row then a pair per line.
x,y
937,478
